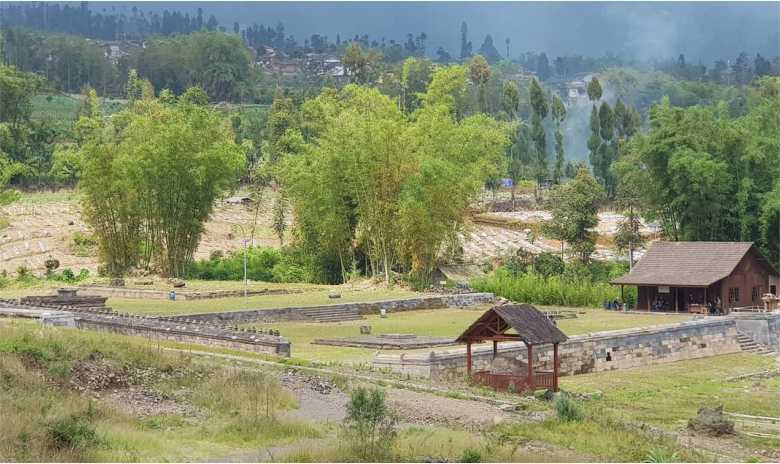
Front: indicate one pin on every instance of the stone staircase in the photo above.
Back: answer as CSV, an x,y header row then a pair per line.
x,y
334,314
748,345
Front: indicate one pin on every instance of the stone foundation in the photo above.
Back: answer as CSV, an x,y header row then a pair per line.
x,y
596,352
297,313
224,338
148,293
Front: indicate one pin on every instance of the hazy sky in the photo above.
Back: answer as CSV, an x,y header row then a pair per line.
x,y
701,30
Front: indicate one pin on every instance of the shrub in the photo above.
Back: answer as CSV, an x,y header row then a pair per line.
x,y
370,427
51,265
23,273
471,455
263,264
568,410
531,287
83,244
548,264
72,432
661,455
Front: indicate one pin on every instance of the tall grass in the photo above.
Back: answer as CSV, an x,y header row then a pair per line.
x,y
531,287
45,419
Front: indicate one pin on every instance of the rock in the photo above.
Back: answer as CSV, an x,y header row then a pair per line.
x,y
117,282
177,283
333,295
712,422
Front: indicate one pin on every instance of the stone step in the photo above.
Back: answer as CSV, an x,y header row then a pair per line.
x,y
748,345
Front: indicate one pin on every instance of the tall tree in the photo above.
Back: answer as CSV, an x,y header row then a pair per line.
x,y
465,43
559,115
150,180
540,109
479,71
574,206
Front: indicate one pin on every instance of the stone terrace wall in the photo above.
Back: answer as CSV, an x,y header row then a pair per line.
x,y
149,293
297,313
582,354
203,333
763,328
188,334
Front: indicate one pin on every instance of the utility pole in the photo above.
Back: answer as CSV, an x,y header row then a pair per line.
x,y
246,281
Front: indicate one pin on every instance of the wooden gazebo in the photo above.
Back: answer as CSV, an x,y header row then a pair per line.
x,y
532,327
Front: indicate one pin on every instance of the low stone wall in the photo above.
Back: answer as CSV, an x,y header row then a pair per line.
x,y
149,293
581,354
299,313
187,333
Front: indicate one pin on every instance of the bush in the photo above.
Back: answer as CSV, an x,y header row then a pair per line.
x,y
568,410
24,273
662,455
370,427
83,245
471,455
263,264
72,432
548,264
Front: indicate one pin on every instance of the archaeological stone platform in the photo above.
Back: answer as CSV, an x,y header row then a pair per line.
x,y
156,294
601,351
199,332
342,311
388,341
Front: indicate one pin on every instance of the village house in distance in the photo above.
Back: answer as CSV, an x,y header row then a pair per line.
x,y
701,276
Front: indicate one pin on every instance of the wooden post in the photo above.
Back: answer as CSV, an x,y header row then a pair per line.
x,y
676,298
531,367
468,359
555,367
495,349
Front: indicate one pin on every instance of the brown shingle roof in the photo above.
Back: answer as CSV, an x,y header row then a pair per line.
x,y
531,325
687,264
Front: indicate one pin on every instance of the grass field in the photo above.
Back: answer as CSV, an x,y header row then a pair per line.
x,y
444,323
668,394
308,298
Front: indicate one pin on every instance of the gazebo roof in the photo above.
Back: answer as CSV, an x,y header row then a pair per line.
x,y
531,325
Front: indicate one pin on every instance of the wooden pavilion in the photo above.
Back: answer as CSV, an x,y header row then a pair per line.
x,y
532,327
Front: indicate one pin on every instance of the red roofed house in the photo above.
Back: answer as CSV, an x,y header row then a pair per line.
x,y
690,276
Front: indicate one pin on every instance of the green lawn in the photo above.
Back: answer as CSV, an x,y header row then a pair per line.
x,y
308,298
438,322
668,395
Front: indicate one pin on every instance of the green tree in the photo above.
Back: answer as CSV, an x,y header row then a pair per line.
x,y
770,225
370,426
540,109
415,76
150,179
479,72
16,91
559,115
594,90
369,181
510,99
193,96
134,86
574,206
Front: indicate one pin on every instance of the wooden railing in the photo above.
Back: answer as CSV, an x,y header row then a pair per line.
x,y
515,383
